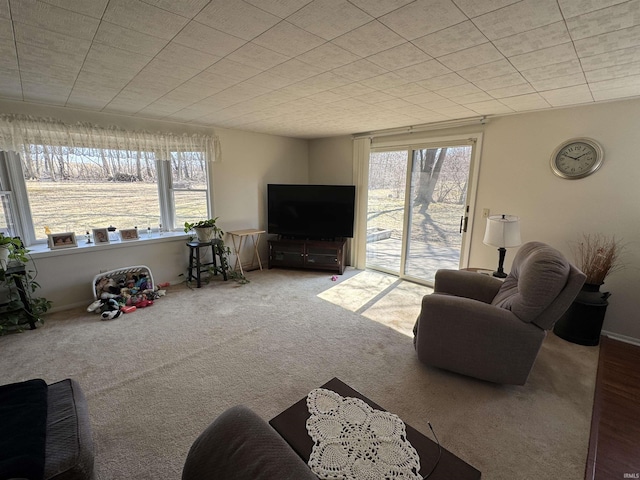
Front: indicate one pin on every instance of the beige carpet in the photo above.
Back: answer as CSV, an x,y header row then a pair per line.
x,y
155,378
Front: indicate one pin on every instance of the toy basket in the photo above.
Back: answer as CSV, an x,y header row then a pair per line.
x,y
120,274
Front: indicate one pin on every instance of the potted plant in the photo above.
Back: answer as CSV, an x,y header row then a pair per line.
x,y
206,230
598,256
17,285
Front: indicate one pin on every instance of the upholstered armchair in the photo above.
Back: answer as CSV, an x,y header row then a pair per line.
x,y
479,326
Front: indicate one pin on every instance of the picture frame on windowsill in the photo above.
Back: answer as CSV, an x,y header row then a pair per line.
x,y
62,240
129,234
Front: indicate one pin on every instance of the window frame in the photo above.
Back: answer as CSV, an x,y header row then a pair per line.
x,y
12,179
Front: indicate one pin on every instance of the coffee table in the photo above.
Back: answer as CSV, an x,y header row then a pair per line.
x,y
291,425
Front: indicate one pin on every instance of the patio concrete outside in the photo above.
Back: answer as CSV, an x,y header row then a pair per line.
x,y
423,259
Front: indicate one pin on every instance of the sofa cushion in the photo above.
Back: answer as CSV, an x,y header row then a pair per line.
x,y
23,424
539,273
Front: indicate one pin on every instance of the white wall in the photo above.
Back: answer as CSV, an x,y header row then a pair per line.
x,y
515,178
249,162
330,161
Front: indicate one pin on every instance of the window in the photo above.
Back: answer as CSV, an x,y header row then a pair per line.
x,y
74,182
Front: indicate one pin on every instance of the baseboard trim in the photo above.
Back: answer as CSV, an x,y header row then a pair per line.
x,y
622,338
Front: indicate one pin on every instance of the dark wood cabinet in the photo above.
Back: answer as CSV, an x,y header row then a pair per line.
x,y
310,254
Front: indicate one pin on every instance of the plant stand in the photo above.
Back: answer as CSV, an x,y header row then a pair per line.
x,y
196,267
582,322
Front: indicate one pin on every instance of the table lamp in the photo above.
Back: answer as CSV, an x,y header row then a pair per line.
x,y
503,231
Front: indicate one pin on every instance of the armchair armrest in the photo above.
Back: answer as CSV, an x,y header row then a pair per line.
x,y
462,283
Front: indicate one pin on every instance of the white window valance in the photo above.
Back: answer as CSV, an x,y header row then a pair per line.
x,y
18,133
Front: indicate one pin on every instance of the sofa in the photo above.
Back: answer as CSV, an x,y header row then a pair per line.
x,y
45,431
240,445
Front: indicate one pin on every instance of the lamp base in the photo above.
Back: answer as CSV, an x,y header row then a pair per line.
x,y
500,274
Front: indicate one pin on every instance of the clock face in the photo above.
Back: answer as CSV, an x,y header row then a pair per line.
x,y
576,158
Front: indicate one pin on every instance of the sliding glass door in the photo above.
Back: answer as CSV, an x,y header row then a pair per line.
x,y
417,209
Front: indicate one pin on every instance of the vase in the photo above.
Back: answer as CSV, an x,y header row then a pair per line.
x,y
4,256
204,234
582,322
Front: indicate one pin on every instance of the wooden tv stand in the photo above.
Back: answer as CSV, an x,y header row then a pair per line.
x,y
309,254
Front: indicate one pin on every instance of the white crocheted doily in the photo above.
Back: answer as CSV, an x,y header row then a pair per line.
x,y
354,441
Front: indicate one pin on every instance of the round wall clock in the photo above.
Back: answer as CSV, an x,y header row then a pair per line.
x,y
577,158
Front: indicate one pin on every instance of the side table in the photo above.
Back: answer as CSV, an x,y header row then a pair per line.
x,y
196,267
241,235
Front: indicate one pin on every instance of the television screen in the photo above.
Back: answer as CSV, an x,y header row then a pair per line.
x,y
318,212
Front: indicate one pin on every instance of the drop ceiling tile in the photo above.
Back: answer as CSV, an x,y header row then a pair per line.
x,y
144,18
269,80
423,17
97,82
49,17
129,40
395,104
536,39
488,70
568,96
458,111
234,70
37,61
442,81
329,19
373,98
236,18
605,20
328,56
611,59
295,70
532,101
288,39
559,82
352,90
561,69
511,91
10,85
630,80
502,81
427,99
8,58
369,39
326,97
609,73
459,90
52,41
206,84
471,57
572,8
189,57
319,83
360,70
103,59
256,56
385,81
4,9
398,57
280,8
518,17
406,90
185,115
547,56
615,93
92,8
377,8
46,94
209,40
475,8
452,39
159,68
186,8
490,107
608,42
6,32
423,71
471,98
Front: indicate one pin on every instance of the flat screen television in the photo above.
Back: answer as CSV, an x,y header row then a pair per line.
x,y
316,212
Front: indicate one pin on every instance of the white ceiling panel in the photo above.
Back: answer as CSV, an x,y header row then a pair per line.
x,y
423,17
315,67
452,39
329,19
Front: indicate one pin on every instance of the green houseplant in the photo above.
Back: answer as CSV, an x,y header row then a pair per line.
x,y
14,315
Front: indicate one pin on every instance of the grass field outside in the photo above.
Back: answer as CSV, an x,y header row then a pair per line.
x,y
78,206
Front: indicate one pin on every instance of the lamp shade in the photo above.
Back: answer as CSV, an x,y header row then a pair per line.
x,y
502,231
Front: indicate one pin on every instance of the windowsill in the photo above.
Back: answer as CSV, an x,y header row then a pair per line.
x,y
41,250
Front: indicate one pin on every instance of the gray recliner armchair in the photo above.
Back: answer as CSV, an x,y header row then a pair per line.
x,y
479,326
